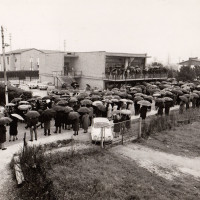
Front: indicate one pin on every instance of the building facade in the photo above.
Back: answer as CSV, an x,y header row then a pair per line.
x,y
97,69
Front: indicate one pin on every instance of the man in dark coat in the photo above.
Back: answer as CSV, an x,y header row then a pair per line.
x,y
2,137
58,121
75,124
85,122
13,129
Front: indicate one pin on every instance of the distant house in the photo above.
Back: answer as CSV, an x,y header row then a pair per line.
x,y
191,62
22,59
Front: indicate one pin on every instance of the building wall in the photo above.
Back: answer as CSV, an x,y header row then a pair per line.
x,y
92,65
49,64
28,56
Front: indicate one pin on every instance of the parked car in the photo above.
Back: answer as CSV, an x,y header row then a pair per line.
x,y
97,123
42,86
24,87
33,85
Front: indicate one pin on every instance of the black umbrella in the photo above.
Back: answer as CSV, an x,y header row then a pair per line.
x,y
32,114
101,107
49,112
73,115
15,100
58,108
5,120
68,109
62,103
83,110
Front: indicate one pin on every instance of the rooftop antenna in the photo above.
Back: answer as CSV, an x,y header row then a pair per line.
x,y
64,45
10,38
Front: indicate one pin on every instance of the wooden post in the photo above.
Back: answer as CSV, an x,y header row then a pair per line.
x,y
25,143
18,171
140,128
102,137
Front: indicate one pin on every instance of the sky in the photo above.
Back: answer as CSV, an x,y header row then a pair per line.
x,y
167,30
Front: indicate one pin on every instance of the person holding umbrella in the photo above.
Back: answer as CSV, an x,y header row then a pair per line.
x,y
85,122
116,121
74,117
3,122
32,120
13,128
2,136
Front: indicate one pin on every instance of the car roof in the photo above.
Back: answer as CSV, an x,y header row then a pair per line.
x,y
101,119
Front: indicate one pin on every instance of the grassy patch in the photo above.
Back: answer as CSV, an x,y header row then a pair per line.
x,y
102,175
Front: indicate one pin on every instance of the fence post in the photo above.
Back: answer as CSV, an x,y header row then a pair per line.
x,y
25,143
102,137
140,128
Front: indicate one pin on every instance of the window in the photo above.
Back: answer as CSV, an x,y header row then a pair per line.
x,y
8,60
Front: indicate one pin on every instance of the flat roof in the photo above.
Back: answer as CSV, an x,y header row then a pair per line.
x,y
144,55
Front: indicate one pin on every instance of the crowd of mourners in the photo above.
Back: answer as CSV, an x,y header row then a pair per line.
x,y
76,110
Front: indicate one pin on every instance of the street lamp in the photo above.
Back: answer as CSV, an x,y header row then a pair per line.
x,y
4,65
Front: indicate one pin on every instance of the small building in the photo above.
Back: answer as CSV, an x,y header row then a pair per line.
x,y
191,62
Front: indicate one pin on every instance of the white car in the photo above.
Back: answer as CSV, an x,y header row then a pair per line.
x,y
33,85
97,123
42,86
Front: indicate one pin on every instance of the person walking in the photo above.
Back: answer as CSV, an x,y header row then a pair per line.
x,y
75,124
13,129
32,124
47,125
85,122
58,121
116,121
2,137
181,107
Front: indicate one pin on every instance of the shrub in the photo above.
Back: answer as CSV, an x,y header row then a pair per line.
x,y
12,93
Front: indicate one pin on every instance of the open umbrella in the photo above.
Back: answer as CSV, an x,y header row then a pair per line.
x,y
83,110
24,107
137,98
10,104
116,97
144,103
167,99
95,97
114,100
125,112
17,116
194,95
160,100
15,100
68,109
108,97
109,93
183,98
139,94
32,114
49,112
47,97
186,95
62,103
32,99
73,99
23,103
95,103
86,102
101,107
123,94
58,108
176,91
5,120
123,100
73,115
156,95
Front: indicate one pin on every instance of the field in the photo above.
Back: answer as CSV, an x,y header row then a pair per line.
x,y
164,166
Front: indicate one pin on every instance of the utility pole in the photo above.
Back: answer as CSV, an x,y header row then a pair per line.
x,y
64,45
4,67
10,38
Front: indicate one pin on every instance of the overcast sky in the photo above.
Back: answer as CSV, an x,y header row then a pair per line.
x,y
162,28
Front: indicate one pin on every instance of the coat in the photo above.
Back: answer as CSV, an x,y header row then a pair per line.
x,y
116,122
47,124
75,124
59,119
85,121
143,112
2,134
13,126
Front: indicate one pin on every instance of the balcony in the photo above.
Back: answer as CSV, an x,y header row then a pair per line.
x,y
134,77
73,74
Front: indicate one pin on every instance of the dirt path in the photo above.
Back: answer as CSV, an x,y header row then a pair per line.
x,y
163,164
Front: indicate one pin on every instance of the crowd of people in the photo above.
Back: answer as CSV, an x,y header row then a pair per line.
x,y
77,111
